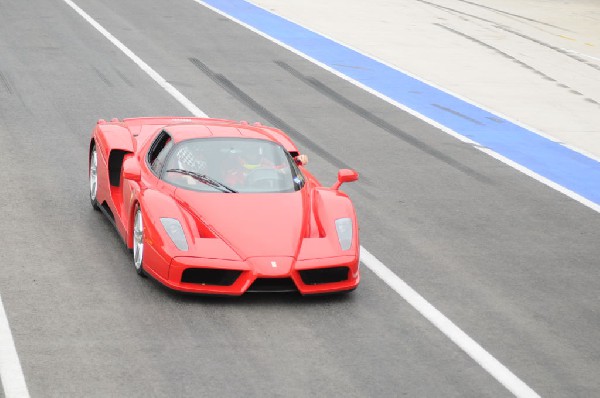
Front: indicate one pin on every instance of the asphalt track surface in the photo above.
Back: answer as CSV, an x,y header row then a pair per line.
x,y
509,260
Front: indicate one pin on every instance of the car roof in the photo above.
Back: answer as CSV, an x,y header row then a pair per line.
x,y
185,131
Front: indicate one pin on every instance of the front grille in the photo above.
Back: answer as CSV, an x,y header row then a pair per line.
x,y
324,275
210,276
273,285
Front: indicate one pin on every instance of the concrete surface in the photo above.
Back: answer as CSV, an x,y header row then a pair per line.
x,y
535,62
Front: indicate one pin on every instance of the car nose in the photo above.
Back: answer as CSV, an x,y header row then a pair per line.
x,y
271,266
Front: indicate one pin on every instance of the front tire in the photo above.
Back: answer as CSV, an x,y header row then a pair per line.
x,y
93,173
138,241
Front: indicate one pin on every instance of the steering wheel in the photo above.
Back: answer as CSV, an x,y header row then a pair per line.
x,y
265,178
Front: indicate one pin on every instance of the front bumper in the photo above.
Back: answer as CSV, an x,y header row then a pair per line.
x,y
223,277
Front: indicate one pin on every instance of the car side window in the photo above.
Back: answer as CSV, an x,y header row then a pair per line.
x,y
159,151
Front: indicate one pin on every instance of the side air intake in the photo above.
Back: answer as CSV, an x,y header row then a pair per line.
x,y
210,276
324,275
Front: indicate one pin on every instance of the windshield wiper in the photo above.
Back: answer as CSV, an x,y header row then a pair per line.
x,y
203,178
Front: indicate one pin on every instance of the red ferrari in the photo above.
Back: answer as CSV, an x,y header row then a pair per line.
x,y
215,206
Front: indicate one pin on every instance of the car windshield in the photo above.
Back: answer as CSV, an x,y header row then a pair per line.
x,y
232,165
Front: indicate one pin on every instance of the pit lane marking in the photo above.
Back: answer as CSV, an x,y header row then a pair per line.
x,y
551,174
453,332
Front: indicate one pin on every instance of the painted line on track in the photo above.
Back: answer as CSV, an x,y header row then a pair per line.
x,y
138,61
466,343
446,326
11,373
565,169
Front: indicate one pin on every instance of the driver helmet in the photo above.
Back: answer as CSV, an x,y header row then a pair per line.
x,y
252,158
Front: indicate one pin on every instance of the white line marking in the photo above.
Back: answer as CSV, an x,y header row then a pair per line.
x,y
138,61
446,326
467,344
530,173
573,195
11,374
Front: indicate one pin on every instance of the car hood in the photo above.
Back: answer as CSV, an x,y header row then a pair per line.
x,y
252,224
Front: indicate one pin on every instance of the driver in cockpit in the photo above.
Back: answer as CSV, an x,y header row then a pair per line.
x,y
243,163
255,158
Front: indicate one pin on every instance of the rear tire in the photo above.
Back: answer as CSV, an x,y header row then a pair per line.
x,y
93,175
138,241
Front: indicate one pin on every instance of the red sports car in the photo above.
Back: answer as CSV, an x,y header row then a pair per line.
x,y
221,207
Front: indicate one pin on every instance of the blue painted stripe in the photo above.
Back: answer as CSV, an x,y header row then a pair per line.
x,y
549,159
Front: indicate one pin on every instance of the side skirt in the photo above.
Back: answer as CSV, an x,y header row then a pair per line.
x,y
105,209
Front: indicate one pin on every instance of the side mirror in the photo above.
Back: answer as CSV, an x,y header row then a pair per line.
x,y
131,169
345,175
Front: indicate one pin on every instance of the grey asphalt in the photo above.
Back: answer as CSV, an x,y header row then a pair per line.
x,y
510,261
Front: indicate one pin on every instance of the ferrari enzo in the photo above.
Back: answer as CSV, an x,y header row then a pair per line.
x,y
214,206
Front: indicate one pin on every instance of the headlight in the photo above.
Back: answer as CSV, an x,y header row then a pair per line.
x,y
175,232
344,231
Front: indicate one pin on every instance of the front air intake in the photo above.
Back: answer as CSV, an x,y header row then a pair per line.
x,y
324,275
273,285
210,276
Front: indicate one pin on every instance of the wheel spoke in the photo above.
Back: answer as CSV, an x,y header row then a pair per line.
x,y
93,174
138,240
